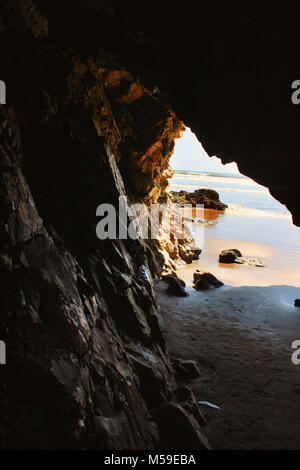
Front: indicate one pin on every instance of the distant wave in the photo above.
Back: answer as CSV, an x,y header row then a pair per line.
x,y
216,188
243,196
207,173
228,179
237,209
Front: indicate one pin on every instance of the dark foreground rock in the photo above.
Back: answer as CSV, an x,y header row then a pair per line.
x,y
297,303
208,197
204,281
185,396
176,286
173,277
229,256
179,428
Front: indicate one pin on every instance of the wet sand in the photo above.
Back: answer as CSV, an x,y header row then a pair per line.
x,y
276,242
241,334
241,338
272,273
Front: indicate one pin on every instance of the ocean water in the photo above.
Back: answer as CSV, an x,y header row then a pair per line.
x,y
243,195
254,222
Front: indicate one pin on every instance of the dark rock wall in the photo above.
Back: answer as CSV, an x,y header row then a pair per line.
x,y
72,322
86,360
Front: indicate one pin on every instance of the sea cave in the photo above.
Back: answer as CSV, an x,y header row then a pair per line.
x,y
115,343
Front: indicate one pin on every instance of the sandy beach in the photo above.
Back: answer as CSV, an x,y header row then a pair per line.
x,y
241,338
272,273
276,242
241,334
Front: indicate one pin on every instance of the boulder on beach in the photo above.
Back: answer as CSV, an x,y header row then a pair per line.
x,y
229,256
235,256
297,303
208,197
204,281
176,285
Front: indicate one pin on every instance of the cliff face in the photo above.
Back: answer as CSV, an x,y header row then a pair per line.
x,y
86,360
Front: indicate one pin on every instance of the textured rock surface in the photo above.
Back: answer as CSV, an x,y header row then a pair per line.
x,y
68,318
175,241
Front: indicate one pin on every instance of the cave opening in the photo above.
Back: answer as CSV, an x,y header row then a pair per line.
x,y
251,219
239,320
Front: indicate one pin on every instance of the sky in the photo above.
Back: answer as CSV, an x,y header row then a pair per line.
x,y
190,155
